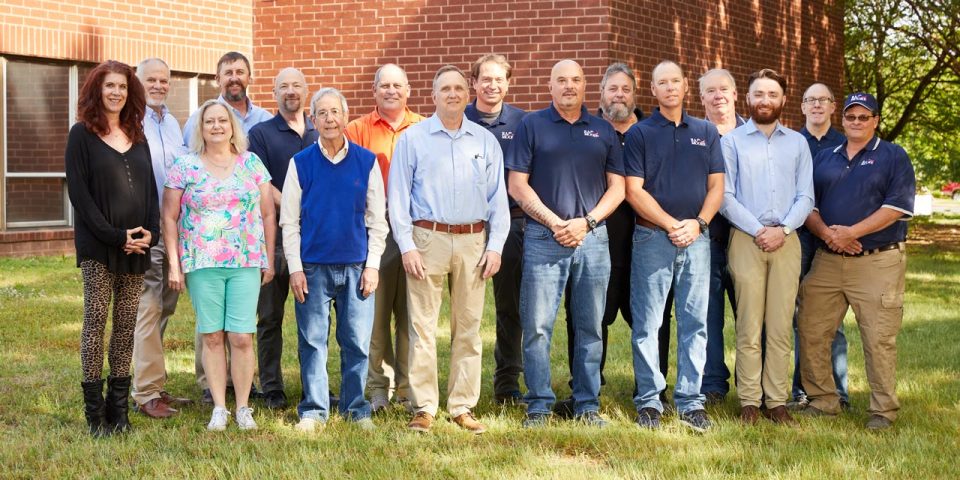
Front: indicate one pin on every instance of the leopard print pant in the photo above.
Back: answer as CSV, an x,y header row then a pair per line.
x,y
99,285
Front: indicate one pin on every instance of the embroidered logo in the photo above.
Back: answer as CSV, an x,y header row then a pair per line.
x,y
868,161
698,142
591,133
506,135
858,98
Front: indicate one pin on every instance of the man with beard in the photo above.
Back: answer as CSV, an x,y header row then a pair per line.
x,y
276,141
768,195
818,106
233,76
718,94
158,301
491,81
671,247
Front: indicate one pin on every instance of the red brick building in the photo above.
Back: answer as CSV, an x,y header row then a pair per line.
x,y
47,46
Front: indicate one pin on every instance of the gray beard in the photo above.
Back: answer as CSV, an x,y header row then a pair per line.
x,y
236,98
617,112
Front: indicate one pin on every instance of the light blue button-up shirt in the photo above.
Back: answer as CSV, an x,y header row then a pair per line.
x,y
769,181
452,177
165,141
254,116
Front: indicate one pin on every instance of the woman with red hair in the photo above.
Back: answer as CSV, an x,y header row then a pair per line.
x,y
114,196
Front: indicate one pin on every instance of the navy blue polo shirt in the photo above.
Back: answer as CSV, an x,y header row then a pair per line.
x,y
276,143
674,160
831,139
504,128
848,191
567,162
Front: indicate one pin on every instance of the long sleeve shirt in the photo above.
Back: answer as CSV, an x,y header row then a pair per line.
x,y
452,177
166,143
769,181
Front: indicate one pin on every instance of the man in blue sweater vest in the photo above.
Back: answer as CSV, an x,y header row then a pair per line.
x,y
333,215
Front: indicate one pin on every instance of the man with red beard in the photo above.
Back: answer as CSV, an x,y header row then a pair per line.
x,y
768,194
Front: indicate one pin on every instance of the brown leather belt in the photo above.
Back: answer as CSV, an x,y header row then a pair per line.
x,y
454,229
516,212
883,248
645,223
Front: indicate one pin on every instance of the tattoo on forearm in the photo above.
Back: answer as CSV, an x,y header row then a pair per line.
x,y
536,209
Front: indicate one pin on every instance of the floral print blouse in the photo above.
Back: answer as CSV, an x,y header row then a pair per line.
x,y
220,222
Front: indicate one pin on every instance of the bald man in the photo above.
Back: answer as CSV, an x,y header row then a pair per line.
x,y
566,173
275,142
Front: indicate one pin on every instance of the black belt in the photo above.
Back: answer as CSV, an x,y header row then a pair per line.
x,y
882,248
516,212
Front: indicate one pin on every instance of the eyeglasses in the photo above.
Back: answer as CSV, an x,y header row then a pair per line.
x,y
820,100
853,118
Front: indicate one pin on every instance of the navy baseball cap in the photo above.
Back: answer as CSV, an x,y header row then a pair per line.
x,y
865,100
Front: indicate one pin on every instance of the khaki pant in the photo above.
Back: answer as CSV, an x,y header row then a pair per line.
x,y
157,304
765,285
388,361
873,285
454,258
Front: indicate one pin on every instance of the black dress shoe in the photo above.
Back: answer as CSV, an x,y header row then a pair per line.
x,y
275,400
564,408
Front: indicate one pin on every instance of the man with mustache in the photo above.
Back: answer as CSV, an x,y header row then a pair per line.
x,y
767,196
276,141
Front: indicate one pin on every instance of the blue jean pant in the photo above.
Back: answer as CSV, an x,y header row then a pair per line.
x,y
547,267
838,350
658,264
716,375
338,285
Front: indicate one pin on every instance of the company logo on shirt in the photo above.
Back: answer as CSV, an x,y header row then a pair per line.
x,y
698,142
506,135
591,133
868,161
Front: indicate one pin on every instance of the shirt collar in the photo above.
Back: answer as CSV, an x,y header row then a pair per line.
x,y
474,111
338,155
407,118
556,117
434,125
751,127
250,106
658,117
156,116
871,145
283,126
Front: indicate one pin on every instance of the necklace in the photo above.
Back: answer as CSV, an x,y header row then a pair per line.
x,y
225,166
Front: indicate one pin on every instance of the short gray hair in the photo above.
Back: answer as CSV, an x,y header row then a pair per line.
x,y
328,91
614,69
376,76
717,71
446,69
147,61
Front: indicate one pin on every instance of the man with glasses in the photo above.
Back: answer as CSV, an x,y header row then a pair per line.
x,y
818,107
864,191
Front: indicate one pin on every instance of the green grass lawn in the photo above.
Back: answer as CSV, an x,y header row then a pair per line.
x,y
43,434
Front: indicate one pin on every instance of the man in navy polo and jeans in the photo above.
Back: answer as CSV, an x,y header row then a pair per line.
x,y
275,142
333,215
864,193
566,173
491,79
674,182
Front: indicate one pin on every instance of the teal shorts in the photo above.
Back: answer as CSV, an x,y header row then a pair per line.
x,y
225,299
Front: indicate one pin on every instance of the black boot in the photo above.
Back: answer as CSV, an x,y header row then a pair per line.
x,y
118,392
93,407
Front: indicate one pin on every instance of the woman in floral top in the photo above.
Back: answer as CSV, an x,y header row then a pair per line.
x,y
218,212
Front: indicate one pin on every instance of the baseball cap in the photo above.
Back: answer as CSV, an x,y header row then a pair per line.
x,y
865,100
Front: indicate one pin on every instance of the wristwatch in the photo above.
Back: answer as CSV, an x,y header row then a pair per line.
x,y
786,230
591,222
704,226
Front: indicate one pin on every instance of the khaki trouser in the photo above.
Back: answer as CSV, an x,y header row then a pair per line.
x,y
454,258
157,304
388,361
873,285
765,285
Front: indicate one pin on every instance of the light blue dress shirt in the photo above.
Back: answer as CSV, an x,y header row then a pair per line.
x,y
452,177
254,116
165,141
769,181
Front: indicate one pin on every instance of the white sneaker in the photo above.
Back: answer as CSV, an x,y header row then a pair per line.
x,y
245,419
378,403
218,421
308,425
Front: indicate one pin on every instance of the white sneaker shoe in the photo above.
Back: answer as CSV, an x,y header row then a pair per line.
x,y
218,421
245,419
308,425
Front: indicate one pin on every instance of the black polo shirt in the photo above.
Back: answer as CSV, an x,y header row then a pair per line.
x,y
276,143
504,128
620,223
847,191
674,160
831,139
567,162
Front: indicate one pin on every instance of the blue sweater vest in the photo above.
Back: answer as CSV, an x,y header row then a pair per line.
x,y
332,207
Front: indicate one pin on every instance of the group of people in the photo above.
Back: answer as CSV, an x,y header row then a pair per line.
x,y
620,214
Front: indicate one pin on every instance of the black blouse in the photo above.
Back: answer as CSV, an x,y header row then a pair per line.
x,y
110,192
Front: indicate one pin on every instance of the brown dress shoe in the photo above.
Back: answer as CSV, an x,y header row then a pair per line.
x,y
421,422
749,414
780,415
470,423
155,408
174,401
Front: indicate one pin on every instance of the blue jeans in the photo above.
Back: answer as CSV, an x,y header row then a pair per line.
x,y
838,350
658,264
716,375
547,267
340,285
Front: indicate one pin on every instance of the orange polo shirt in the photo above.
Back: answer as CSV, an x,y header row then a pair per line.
x,y
374,133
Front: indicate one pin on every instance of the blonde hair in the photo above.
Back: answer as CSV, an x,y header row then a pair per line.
x,y
238,140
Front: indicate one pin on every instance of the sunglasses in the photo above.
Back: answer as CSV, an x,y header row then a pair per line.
x,y
853,118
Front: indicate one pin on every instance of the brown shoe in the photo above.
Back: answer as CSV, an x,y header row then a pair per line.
x,y
174,401
780,415
155,408
749,415
469,423
421,422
